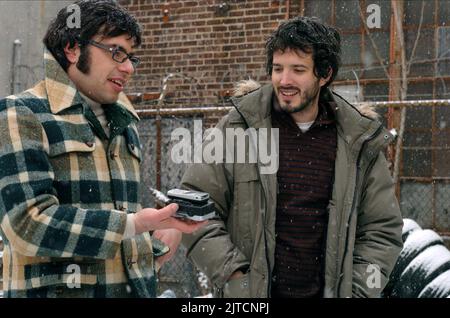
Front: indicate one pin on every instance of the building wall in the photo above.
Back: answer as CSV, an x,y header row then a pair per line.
x,y
213,47
26,21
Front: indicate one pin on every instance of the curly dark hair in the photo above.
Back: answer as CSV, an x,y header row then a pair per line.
x,y
98,17
309,35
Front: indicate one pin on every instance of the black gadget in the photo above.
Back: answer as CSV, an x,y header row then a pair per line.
x,y
192,205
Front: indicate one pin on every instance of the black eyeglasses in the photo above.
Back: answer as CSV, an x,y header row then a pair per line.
x,y
118,54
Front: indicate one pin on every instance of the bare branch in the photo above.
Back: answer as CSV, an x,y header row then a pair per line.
x,y
398,145
403,89
375,47
419,28
401,41
398,25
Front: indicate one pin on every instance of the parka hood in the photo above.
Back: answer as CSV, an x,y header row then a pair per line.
x,y
355,124
247,86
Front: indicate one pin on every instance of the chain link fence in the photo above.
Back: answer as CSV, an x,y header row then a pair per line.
x,y
178,274
424,198
424,183
424,168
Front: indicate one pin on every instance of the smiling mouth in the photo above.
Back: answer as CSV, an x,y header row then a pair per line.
x,y
289,92
117,82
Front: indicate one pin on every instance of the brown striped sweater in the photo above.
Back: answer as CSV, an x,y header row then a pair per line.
x,y
305,179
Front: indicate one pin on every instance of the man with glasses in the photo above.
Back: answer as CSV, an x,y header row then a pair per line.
x,y
118,53
70,214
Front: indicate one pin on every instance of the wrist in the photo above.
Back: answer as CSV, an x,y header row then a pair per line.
x,y
130,227
138,224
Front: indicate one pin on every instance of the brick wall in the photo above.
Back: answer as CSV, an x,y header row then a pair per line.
x,y
210,46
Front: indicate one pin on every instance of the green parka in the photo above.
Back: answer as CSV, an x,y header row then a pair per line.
x,y
364,227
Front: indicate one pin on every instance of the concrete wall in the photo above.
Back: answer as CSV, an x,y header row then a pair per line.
x,y
26,20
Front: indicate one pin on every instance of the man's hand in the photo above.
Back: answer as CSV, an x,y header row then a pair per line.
x,y
237,274
152,219
172,239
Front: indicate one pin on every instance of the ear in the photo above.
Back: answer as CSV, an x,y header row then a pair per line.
x,y
72,54
324,80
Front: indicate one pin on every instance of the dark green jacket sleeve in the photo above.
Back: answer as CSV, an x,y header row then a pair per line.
x,y
378,235
211,248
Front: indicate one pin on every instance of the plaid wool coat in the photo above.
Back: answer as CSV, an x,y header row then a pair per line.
x,y
65,195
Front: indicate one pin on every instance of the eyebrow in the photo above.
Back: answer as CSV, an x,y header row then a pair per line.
x,y
122,49
292,65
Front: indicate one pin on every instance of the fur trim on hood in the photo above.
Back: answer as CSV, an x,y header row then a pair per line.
x,y
244,87
367,110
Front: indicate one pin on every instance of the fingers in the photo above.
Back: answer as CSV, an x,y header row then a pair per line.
x,y
159,234
188,226
185,226
161,260
171,237
164,258
168,211
152,219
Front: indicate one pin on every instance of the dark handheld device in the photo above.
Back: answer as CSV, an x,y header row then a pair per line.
x,y
192,205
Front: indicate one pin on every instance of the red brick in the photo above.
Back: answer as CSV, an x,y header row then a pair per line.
x,y
216,50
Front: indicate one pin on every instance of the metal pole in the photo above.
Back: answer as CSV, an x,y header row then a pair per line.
x,y
158,130
16,85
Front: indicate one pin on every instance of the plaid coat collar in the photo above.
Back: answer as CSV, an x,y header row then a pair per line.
x,y
62,93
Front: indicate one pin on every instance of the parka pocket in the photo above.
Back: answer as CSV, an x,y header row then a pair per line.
x,y
246,207
238,287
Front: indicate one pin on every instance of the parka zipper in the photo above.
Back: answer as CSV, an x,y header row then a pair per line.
x,y
355,196
268,277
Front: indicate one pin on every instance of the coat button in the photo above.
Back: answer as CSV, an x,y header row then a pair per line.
x,y
112,155
89,144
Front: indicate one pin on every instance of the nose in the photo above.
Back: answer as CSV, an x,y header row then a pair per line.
x,y
285,78
126,67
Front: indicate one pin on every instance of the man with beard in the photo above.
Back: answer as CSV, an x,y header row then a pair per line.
x,y
70,211
327,223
